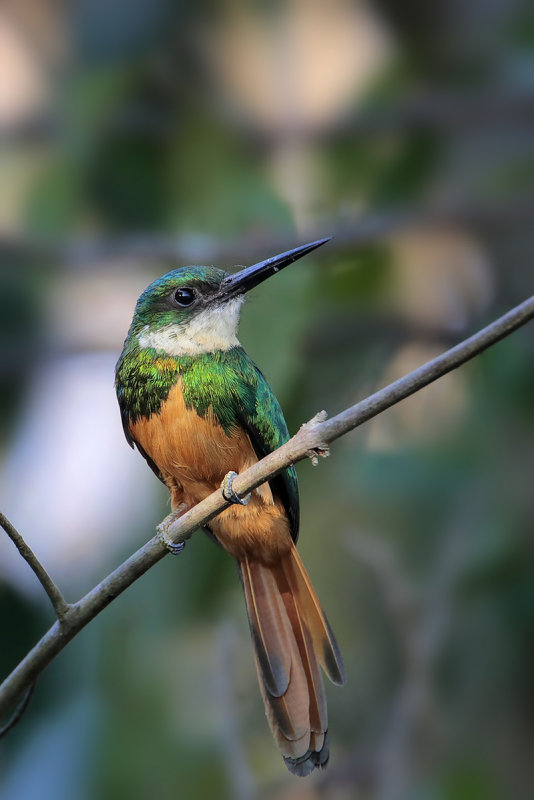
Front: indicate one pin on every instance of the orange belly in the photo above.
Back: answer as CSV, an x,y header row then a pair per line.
x,y
193,454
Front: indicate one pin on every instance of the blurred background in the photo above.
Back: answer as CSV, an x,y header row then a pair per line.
x,y
141,135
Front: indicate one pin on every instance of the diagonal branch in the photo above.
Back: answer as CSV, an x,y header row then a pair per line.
x,y
61,607
312,440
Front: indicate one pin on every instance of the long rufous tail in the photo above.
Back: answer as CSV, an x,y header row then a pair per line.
x,y
292,638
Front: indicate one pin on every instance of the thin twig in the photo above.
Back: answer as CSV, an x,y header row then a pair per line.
x,y
19,711
61,607
311,441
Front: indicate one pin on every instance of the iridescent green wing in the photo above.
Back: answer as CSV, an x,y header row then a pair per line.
x,y
266,426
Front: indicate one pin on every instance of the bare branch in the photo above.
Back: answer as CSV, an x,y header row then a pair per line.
x,y
61,607
313,439
77,252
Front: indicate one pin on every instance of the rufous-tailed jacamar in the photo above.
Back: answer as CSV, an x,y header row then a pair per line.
x,y
198,409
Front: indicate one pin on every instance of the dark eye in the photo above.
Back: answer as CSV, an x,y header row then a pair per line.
x,y
184,297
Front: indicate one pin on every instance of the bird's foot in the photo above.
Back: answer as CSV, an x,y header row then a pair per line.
x,y
162,530
228,491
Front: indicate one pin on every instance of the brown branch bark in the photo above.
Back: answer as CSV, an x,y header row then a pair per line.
x,y
312,440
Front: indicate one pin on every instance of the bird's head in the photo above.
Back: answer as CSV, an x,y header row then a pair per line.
x,y
194,310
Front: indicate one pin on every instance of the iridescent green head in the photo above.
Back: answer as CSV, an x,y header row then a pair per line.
x,y
196,310
178,296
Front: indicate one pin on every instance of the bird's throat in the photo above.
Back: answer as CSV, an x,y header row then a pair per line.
x,y
213,329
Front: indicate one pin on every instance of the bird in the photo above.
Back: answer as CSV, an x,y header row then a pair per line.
x,y
200,411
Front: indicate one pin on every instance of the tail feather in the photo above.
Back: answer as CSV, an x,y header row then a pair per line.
x,y
292,638
300,626
269,628
324,641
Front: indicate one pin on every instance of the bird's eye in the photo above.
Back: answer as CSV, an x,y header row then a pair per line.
x,y
184,297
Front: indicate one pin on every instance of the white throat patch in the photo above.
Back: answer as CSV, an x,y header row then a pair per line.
x,y
209,330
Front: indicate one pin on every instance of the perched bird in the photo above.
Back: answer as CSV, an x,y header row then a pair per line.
x,y
199,411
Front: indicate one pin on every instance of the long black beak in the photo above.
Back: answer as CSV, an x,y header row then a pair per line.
x,y
248,278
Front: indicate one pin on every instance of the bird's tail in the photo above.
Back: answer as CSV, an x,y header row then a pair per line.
x,y
292,638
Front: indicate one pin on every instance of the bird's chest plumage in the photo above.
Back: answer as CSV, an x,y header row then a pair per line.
x,y
190,449
193,454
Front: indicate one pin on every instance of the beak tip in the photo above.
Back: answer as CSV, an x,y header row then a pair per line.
x,y
320,242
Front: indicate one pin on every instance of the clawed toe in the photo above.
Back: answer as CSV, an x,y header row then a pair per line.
x,y
162,530
228,491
